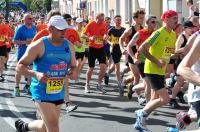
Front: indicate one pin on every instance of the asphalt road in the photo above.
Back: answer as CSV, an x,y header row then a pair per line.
x,y
96,112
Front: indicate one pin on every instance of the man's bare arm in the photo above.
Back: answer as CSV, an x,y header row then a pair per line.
x,y
32,52
132,43
126,34
73,69
184,68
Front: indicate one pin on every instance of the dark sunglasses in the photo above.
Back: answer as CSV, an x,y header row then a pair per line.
x,y
30,18
153,22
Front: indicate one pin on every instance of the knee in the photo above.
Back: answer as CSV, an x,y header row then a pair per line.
x,y
90,69
53,125
42,127
165,100
102,67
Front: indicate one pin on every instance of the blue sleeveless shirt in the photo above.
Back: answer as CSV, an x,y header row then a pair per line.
x,y
55,62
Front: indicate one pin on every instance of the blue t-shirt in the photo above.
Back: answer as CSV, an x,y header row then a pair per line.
x,y
54,62
22,33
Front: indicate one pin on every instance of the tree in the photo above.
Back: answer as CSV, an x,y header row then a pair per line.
x,y
37,5
7,9
48,5
27,3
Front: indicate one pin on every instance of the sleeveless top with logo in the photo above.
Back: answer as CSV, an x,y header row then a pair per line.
x,y
54,62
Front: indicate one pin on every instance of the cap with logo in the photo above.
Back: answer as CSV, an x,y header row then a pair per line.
x,y
58,22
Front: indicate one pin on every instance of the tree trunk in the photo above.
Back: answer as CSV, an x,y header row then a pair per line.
x,y
7,10
48,5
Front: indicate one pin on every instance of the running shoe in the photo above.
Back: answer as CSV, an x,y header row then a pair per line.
x,y
142,101
16,92
171,129
20,126
182,120
2,78
70,107
121,90
130,91
26,89
87,88
140,123
100,89
174,104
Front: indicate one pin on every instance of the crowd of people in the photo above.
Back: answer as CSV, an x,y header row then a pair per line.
x,y
160,61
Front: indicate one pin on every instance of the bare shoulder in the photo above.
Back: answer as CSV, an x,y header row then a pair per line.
x,y
127,32
37,47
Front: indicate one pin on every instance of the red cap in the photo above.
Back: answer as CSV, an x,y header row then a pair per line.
x,y
168,14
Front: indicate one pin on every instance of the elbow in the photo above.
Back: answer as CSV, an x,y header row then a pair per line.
x,y
83,35
141,49
121,39
129,48
179,70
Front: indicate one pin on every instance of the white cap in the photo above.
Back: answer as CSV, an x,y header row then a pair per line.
x,y
58,22
79,20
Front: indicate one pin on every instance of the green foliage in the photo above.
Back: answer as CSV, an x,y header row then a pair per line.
x,y
48,4
37,5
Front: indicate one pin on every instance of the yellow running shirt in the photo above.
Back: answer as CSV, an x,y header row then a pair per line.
x,y
162,46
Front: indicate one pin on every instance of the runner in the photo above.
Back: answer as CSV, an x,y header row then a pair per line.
x,y
23,37
139,60
95,32
138,18
189,70
9,43
5,36
51,57
180,44
80,50
107,51
74,38
68,18
41,24
157,49
114,34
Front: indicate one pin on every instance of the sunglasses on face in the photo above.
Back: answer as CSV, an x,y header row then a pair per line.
x,y
153,22
30,18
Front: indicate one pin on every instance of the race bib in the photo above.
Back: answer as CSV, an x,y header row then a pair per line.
x,y
2,39
98,40
168,51
54,85
115,40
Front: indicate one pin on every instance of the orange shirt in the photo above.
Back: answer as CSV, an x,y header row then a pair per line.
x,y
10,35
40,26
99,30
70,35
40,34
4,34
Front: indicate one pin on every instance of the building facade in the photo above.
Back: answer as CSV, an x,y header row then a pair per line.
x,y
125,8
